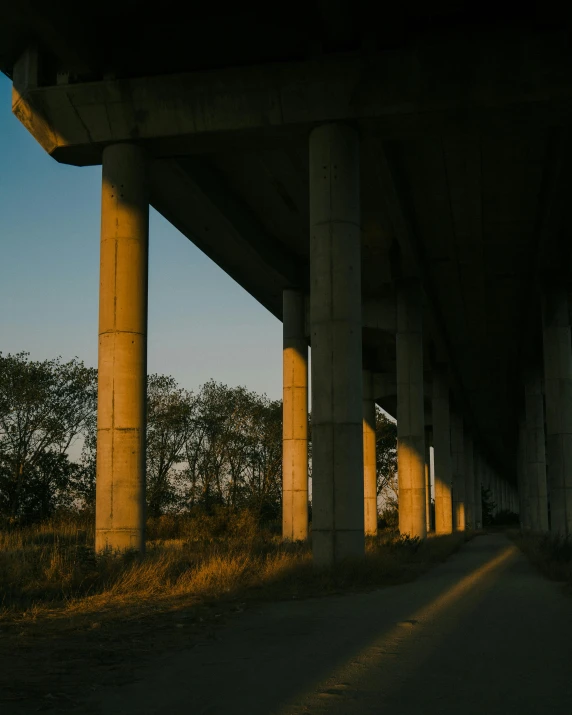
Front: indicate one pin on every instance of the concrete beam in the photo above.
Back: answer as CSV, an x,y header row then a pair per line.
x,y
215,221
418,93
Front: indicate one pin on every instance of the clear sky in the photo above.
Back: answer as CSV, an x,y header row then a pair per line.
x,y
201,323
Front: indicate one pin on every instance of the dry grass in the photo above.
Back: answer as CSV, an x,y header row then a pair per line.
x,y
70,621
50,570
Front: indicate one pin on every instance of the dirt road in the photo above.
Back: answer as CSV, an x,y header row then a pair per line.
x,y
481,633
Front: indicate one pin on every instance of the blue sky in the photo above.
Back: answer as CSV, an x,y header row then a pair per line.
x,y
201,323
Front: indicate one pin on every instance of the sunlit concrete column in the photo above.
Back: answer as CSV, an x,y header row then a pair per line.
x,y
369,456
458,466
558,392
442,456
410,412
295,418
335,316
428,479
469,481
478,492
122,364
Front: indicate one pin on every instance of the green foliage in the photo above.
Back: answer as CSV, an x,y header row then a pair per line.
x,y
45,406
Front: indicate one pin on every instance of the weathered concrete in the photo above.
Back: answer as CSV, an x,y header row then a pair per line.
x,y
428,439
122,364
295,418
458,466
558,390
523,474
478,495
442,456
369,456
468,455
410,412
335,317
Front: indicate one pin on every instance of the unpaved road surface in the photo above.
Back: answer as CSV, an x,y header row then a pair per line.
x,y
483,633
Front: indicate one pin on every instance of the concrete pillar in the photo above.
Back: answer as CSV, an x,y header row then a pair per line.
x,y
122,364
295,418
369,457
442,456
335,316
478,494
458,465
558,392
469,482
428,479
523,475
410,412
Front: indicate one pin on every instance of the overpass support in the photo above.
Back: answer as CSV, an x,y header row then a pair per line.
x,y
428,440
410,412
478,467
523,474
442,456
558,389
458,467
295,418
335,316
369,456
122,362
469,481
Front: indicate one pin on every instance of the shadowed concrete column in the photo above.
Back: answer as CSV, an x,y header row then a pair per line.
x,y
442,456
122,365
295,418
523,475
458,465
335,314
428,479
469,482
410,413
558,390
369,456
478,468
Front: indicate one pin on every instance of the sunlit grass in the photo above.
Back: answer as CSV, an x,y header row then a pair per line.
x,y
50,571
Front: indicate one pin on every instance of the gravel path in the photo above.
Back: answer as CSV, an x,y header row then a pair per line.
x,y
483,633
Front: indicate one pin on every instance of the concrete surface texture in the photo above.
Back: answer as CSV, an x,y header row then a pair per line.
x,y
442,456
452,641
458,459
335,320
410,412
369,457
295,419
122,363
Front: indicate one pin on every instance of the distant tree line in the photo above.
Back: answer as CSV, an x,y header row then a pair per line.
x,y
217,446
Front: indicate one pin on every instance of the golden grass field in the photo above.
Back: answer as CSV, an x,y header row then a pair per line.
x,y
69,619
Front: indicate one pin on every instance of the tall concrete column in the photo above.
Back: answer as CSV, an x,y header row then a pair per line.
x,y
295,418
369,456
458,464
523,475
478,468
122,364
469,482
558,391
335,316
442,456
428,479
410,412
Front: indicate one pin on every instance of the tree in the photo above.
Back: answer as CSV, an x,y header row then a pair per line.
x,y
170,411
44,407
386,454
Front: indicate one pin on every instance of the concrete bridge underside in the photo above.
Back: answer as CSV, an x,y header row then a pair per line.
x,y
464,170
